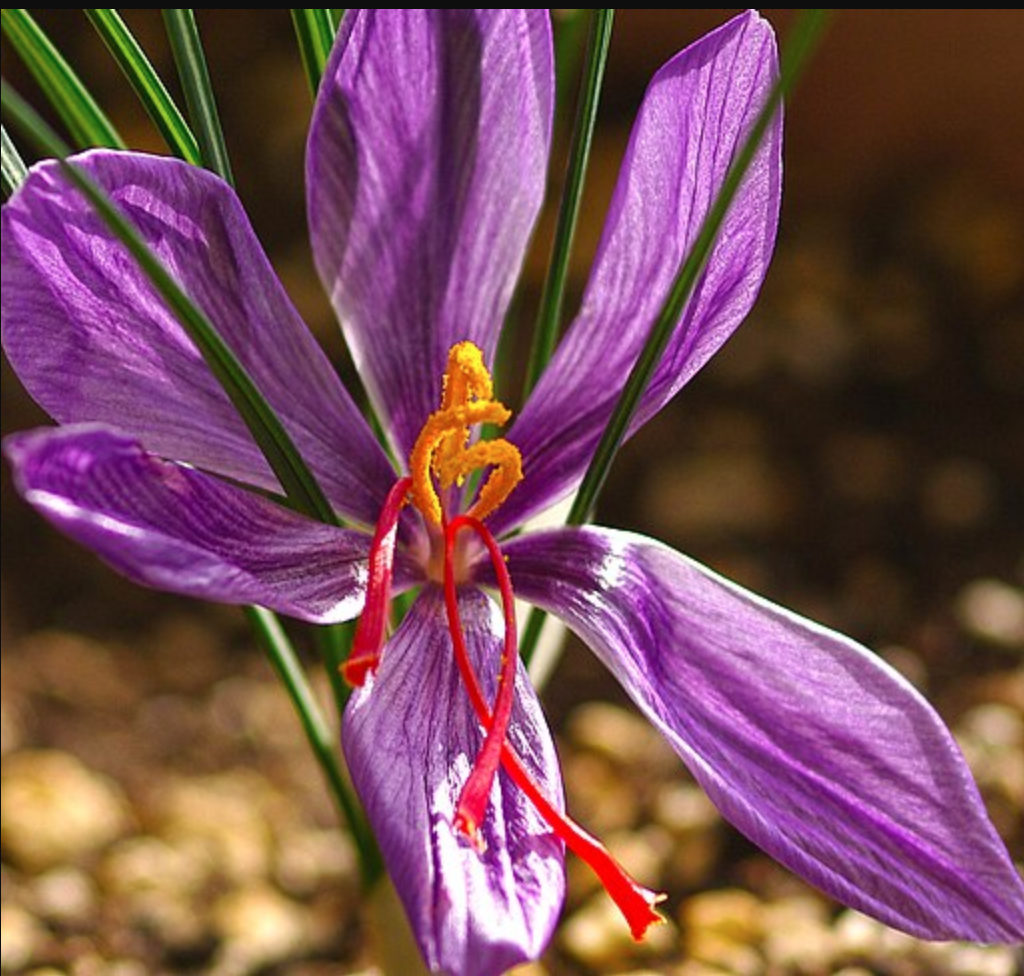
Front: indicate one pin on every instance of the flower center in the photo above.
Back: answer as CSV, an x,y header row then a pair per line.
x,y
443,453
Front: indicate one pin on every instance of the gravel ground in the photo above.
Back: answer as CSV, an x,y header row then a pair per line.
x,y
856,453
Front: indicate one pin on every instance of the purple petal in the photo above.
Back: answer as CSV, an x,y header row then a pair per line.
x,y
93,342
695,115
410,738
425,173
807,742
171,527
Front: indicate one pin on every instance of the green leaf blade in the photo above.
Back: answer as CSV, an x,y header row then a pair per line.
x,y
553,295
183,35
142,76
86,122
12,166
322,742
805,35
314,31
287,463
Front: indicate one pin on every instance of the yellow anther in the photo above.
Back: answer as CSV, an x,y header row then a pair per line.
x,y
449,463
506,473
466,376
443,450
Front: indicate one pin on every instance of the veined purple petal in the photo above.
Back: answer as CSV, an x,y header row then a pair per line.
x,y
807,742
697,111
171,527
93,342
426,166
410,738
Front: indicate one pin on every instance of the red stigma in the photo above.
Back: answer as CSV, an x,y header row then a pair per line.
x,y
473,801
373,622
442,450
634,900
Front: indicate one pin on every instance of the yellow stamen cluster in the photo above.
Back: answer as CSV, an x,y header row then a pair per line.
x,y
443,451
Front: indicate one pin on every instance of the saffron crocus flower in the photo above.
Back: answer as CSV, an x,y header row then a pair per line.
x,y
425,170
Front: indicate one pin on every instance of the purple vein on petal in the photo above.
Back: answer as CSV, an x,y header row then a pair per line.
x,y
806,741
426,170
695,115
472,914
174,528
93,342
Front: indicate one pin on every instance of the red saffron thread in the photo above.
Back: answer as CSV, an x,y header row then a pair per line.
x,y
372,626
634,900
473,800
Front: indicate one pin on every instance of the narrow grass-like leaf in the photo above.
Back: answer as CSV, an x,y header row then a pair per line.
x,y
552,300
302,490
337,16
296,479
531,635
321,740
85,120
142,76
804,37
187,49
315,32
298,482
545,336
12,166
334,643
569,25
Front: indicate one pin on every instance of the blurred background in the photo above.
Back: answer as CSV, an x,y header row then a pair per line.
x,y
856,453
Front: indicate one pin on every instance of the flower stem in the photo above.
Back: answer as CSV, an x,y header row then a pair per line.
x,y
334,642
143,78
553,295
187,49
805,35
282,656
